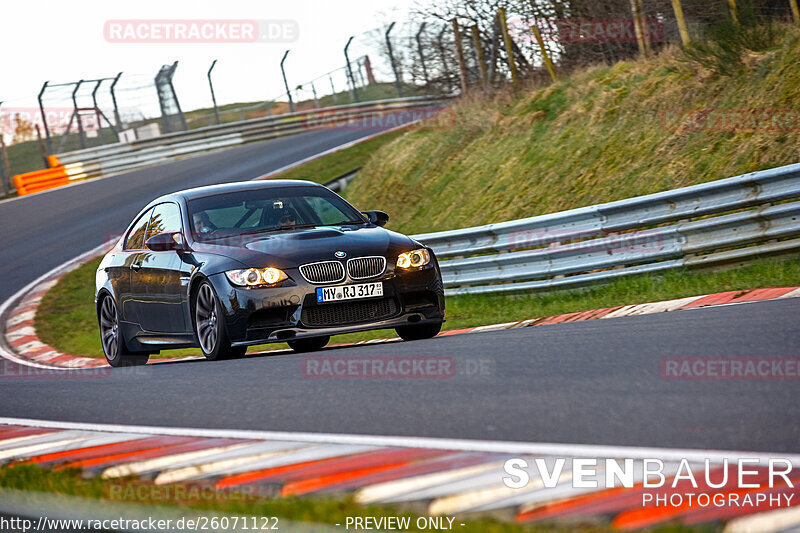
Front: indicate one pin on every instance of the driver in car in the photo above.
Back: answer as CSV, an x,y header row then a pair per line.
x,y
288,218
202,223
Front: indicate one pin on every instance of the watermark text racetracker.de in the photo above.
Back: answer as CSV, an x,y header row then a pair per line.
x,y
730,368
23,121
733,120
395,367
178,31
419,117
585,30
745,482
12,370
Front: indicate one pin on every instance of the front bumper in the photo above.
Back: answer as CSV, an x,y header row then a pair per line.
x,y
290,311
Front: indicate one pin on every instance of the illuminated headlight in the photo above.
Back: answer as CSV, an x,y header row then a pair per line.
x,y
414,258
252,277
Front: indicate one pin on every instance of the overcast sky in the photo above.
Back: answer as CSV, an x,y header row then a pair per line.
x,y
63,41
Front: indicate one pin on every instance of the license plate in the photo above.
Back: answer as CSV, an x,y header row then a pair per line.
x,y
349,292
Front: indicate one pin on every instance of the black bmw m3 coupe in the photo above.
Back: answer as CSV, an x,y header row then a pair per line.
x,y
228,266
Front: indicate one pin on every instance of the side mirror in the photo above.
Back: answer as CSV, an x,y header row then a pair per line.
x,y
379,218
164,242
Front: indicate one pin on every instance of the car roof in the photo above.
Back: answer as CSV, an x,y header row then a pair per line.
x,y
222,188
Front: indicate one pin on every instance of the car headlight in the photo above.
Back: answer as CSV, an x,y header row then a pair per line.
x,y
253,277
414,258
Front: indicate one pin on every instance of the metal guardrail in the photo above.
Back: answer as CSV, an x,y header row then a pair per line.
x,y
731,219
121,157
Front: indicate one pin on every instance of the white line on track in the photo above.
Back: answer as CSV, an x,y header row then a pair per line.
x,y
509,447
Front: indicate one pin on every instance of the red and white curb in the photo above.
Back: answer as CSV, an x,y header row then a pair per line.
x,y
27,348
443,476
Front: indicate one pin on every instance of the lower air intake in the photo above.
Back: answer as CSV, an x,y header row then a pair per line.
x,y
346,313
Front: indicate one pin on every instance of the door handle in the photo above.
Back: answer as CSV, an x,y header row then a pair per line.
x,y
136,266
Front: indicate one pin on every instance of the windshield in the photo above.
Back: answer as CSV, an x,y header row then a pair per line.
x,y
269,209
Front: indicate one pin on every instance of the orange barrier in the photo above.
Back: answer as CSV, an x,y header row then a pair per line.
x,y
41,180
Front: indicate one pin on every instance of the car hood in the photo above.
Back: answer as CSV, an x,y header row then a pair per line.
x,y
292,248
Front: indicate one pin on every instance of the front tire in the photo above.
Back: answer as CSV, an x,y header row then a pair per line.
x,y
419,332
209,326
308,345
117,354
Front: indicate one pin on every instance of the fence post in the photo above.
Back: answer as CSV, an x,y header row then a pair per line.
x,y
462,67
550,68
734,11
638,26
42,147
392,61
44,116
286,84
213,96
350,70
795,11
481,59
314,92
114,101
333,89
445,67
512,64
77,114
683,29
5,168
422,57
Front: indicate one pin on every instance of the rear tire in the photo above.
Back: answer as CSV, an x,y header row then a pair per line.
x,y
209,326
308,345
418,332
114,348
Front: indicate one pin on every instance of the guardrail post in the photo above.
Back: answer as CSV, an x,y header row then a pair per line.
x,y
285,83
44,116
213,96
393,62
550,68
462,66
512,64
350,70
479,57
683,29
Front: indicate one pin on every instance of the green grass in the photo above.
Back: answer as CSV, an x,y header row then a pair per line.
x,y
319,509
338,163
599,135
66,318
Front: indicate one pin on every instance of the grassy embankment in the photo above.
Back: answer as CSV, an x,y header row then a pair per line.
x,y
602,134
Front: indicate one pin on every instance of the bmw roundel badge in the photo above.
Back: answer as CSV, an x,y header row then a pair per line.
x,y
340,254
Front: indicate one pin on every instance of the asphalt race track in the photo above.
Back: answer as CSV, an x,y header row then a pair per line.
x,y
593,382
